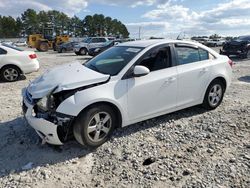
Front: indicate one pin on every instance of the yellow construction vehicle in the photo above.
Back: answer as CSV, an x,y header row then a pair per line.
x,y
44,42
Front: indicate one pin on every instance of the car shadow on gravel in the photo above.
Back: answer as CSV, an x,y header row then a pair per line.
x,y
244,79
22,77
154,122
19,146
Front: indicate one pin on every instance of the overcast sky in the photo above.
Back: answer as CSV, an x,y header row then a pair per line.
x,y
159,18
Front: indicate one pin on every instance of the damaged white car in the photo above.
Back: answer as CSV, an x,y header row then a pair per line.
x,y
128,83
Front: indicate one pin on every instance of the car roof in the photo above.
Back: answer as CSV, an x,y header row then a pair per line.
x,y
151,43
148,43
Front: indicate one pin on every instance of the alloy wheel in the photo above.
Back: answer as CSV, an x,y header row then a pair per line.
x,y
215,95
99,126
11,74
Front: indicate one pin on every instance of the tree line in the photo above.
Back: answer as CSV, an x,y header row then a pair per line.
x,y
31,22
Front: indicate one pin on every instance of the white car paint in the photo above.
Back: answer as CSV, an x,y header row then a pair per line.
x,y
20,59
61,77
137,98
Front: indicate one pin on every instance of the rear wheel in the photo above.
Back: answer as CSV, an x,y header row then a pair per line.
x,y
214,95
83,51
10,73
94,126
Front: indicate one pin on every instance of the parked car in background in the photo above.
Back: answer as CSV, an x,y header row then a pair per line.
x,y
66,47
8,43
202,40
15,62
92,42
127,83
20,43
98,50
239,47
215,42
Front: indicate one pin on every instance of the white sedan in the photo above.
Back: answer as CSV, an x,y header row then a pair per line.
x,y
127,83
15,62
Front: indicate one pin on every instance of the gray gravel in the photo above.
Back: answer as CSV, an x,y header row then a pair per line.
x,y
189,148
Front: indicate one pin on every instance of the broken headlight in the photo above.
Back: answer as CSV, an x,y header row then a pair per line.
x,y
46,103
43,104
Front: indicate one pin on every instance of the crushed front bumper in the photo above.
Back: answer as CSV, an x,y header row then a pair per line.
x,y
48,131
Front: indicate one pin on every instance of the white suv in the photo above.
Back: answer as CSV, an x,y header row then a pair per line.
x,y
128,83
92,42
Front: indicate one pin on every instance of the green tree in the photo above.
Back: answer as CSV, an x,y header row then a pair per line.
x,y
8,27
76,27
19,27
30,21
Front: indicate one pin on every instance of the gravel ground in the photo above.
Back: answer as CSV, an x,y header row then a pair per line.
x,y
189,148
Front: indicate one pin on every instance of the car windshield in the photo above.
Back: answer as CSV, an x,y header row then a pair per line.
x,y
12,47
113,60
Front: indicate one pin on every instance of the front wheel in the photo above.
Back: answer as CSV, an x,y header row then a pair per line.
x,y
83,51
214,95
94,126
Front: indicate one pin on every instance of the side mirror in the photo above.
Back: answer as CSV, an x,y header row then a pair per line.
x,y
140,71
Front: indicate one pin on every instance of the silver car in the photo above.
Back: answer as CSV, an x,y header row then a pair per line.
x,y
92,42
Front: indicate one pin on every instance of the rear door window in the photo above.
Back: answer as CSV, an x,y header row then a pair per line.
x,y
204,55
186,54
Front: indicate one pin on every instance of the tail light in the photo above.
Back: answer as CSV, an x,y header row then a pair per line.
x,y
32,56
230,62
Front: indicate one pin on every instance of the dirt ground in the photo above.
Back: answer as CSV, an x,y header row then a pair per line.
x,y
189,148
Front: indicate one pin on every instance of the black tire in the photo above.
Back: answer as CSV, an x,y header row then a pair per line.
x,y
43,47
63,50
14,73
85,121
77,53
83,51
207,101
245,56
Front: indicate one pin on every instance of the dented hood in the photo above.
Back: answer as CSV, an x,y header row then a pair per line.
x,y
66,77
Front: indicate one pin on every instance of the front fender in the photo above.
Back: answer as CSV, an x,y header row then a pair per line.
x,y
76,103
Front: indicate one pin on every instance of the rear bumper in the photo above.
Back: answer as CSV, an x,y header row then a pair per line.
x,y
33,66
